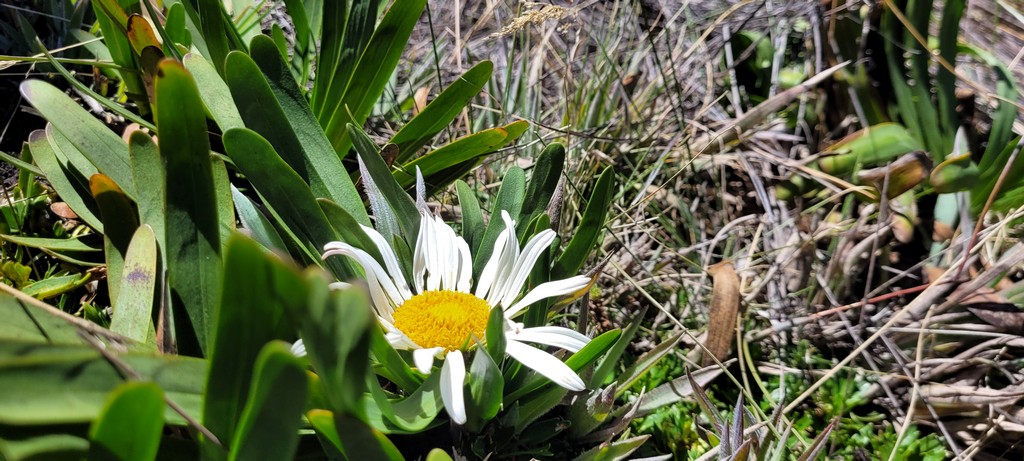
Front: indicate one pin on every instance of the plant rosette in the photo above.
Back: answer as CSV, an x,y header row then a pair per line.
x,y
441,314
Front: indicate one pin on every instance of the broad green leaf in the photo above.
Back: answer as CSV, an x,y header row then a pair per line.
x,y
537,405
377,170
441,179
175,25
371,73
225,202
133,307
119,223
254,223
438,454
486,387
510,199
495,334
214,92
410,415
334,326
48,384
250,315
269,425
441,111
217,30
70,185
472,218
104,149
340,49
130,425
543,182
27,322
348,228
352,437
148,168
391,365
591,227
326,174
284,191
192,232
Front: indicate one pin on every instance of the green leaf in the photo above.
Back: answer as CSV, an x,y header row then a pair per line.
x,y
113,21
133,308
148,168
193,227
441,111
353,438
69,183
495,334
869,146
269,425
250,315
334,331
614,451
438,454
676,390
472,218
589,229
390,363
255,223
104,149
510,199
411,415
85,243
546,173
371,73
581,359
486,387
459,151
55,286
119,223
272,105
130,424
284,191
348,228
214,92
610,361
23,444
48,384
378,175
175,26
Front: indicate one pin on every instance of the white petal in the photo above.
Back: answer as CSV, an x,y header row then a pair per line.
x,y
504,262
449,254
524,264
419,257
382,289
424,358
421,191
490,272
298,348
432,253
548,290
545,364
564,338
339,285
390,260
453,377
465,282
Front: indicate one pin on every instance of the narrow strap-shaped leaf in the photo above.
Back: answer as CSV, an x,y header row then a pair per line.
x,y
133,308
372,72
68,185
546,173
397,199
269,425
589,229
131,424
284,191
255,222
352,437
472,218
510,199
459,151
441,111
120,221
104,149
215,93
326,172
193,227
148,168
258,287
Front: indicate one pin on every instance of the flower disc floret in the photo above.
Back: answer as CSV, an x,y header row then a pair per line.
x,y
442,318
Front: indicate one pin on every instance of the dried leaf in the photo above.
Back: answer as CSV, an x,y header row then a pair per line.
x,y
904,173
725,305
63,210
1006,316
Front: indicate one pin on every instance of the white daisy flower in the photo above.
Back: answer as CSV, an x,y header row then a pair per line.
x,y
438,312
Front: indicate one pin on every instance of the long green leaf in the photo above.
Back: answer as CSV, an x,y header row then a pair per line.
x,y
377,171
510,199
119,221
591,226
148,168
68,184
269,425
214,92
441,111
193,227
133,308
250,315
130,425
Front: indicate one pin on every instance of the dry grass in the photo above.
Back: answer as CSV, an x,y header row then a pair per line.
x,y
624,84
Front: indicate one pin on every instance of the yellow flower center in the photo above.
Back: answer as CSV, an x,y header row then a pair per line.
x,y
442,318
